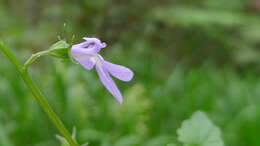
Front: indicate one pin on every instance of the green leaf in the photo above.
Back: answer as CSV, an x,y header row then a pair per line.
x,y
199,131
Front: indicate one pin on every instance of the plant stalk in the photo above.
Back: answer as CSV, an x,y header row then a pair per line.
x,y
37,94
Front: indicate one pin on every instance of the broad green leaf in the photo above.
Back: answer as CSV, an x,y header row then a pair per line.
x,y
199,131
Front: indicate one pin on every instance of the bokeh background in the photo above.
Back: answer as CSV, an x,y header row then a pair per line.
x,y
187,55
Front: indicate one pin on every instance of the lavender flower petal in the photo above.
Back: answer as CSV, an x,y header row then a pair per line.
x,y
90,45
108,82
86,62
82,45
120,72
79,52
94,43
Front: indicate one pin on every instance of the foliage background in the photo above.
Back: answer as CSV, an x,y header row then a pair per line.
x,y
187,55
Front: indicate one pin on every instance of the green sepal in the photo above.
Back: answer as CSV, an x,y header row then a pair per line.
x,y
60,50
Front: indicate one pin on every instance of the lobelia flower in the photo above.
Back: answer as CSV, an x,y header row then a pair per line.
x,y
86,54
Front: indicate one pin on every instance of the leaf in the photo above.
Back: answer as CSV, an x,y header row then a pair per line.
x,y
199,131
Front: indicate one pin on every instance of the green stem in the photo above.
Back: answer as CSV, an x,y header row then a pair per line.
x,y
33,58
37,94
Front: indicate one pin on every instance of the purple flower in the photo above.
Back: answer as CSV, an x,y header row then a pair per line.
x,y
86,53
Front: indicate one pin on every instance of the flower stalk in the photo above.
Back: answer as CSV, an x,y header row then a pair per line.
x,y
33,58
36,92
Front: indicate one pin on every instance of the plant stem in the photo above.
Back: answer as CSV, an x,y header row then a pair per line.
x,y
33,58
37,94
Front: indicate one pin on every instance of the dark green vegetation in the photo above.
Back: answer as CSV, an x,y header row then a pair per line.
x,y
187,55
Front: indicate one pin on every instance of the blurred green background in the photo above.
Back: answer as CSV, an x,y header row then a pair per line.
x,y
187,55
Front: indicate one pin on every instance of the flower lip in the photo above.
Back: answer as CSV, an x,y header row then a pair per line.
x,y
94,42
90,47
